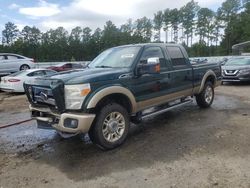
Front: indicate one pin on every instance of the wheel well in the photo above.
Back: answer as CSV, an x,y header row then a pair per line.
x,y
23,65
211,79
118,98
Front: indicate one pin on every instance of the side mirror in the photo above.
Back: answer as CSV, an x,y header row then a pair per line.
x,y
151,66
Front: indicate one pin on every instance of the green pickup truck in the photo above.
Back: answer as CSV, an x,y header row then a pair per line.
x,y
118,87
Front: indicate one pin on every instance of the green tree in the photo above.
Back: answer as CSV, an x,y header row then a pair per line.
x,y
143,30
110,35
204,24
229,10
31,35
166,21
75,43
158,22
10,33
127,27
189,13
174,16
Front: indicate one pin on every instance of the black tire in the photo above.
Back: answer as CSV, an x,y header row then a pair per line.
x,y
96,133
24,67
202,99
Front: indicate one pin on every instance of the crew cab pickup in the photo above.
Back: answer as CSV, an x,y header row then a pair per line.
x,y
119,86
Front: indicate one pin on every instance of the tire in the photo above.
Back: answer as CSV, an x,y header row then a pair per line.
x,y
206,97
24,67
106,131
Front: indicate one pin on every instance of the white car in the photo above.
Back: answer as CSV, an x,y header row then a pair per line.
x,y
10,63
14,82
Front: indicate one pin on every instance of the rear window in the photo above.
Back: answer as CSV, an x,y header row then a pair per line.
x,y
19,73
176,56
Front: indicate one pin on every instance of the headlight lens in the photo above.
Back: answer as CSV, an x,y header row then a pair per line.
x,y
75,95
245,71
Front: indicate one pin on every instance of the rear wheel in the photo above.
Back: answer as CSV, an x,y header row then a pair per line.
x,y
206,97
24,67
111,127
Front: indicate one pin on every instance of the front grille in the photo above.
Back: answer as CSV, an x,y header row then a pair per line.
x,y
46,93
231,72
43,96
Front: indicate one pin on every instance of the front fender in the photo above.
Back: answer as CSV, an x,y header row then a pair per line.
x,y
99,95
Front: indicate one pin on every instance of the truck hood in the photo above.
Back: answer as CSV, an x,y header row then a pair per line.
x,y
236,67
90,75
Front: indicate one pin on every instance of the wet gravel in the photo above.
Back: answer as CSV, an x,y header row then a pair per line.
x,y
186,147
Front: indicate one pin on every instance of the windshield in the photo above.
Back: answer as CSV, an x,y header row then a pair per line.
x,y
238,62
122,57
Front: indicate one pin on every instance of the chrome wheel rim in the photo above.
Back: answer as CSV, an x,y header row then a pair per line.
x,y
209,94
24,67
113,126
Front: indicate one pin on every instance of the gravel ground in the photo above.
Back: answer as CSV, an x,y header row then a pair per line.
x,y
186,147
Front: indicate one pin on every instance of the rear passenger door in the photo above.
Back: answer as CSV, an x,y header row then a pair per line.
x,y
182,81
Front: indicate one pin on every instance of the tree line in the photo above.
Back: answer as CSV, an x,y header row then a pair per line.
x,y
202,31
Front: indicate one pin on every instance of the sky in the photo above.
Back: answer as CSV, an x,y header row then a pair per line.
x,y
46,14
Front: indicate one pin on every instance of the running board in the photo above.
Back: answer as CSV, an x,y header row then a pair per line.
x,y
155,113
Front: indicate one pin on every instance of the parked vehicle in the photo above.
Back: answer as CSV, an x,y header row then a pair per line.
x,y
66,66
236,70
10,63
14,82
118,87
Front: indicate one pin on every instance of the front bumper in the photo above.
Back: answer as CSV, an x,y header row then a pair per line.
x,y
62,122
236,79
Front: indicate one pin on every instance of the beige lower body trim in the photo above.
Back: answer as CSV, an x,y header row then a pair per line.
x,y
198,89
84,123
84,120
163,99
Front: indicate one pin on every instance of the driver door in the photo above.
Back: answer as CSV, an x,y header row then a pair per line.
x,y
148,87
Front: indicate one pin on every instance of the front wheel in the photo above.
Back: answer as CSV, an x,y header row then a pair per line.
x,y
206,97
111,127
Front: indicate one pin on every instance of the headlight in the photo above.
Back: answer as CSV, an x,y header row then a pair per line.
x,y
245,71
75,95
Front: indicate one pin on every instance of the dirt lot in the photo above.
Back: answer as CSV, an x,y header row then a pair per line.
x,y
187,147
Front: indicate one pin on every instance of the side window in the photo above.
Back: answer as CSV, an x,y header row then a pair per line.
x,y
176,56
76,66
68,66
12,57
36,73
153,52
48,72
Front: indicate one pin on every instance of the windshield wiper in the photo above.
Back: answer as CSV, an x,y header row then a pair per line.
x,y
103,66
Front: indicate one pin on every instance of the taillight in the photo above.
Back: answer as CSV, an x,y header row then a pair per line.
x,y
14,80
